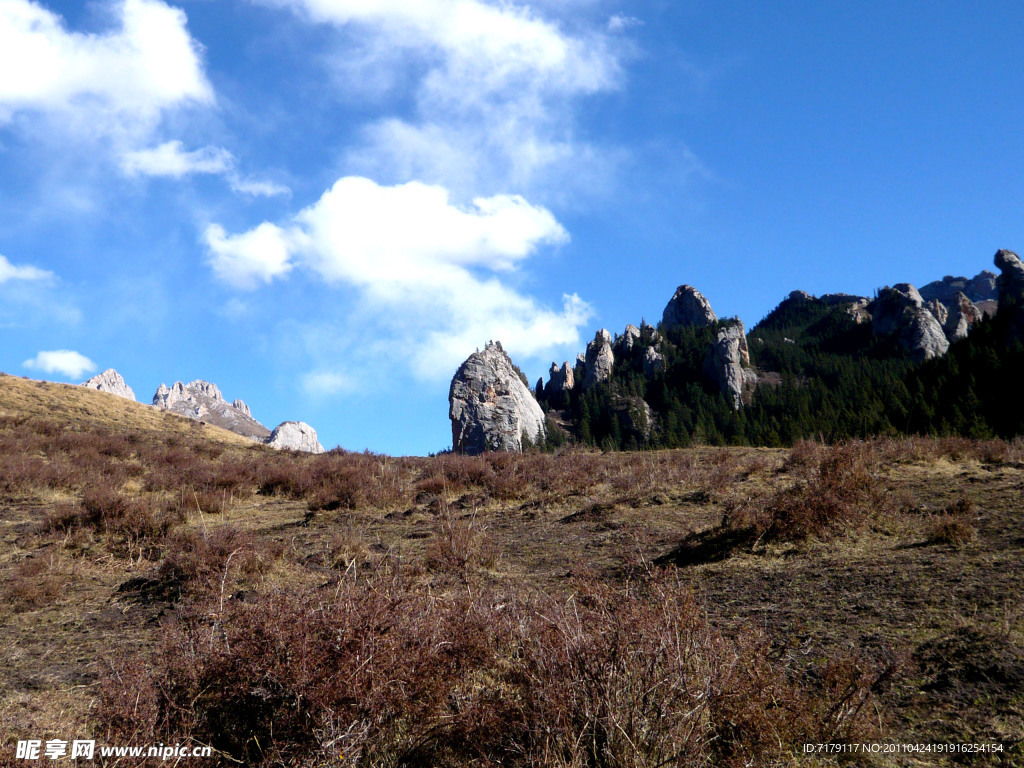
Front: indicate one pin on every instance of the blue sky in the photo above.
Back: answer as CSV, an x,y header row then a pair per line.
x,y
325,205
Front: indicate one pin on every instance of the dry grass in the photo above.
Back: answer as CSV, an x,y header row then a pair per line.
x,y
503,609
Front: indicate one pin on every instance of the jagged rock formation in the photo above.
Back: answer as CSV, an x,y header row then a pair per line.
x,y
727,362
600,359
559,380
490,407
900,310
294,436
1010,285
110,381
629,339
961,315
981,287
688,307
203,401
653,362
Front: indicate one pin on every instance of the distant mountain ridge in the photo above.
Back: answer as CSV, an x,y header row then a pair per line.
x,y
202,401
837,366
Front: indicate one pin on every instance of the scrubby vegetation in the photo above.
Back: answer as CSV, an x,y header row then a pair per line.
x,y
708,606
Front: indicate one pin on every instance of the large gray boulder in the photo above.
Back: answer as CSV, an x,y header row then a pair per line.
x,y
900,311
688,307
110,381
295,436
600,359
490,407
727,363
203,401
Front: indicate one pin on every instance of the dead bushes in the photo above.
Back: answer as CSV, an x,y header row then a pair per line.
x,y
382,672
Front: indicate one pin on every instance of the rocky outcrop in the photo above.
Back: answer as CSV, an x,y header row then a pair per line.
x,y
294,436
600,359
203,401
110,381
901,311
629,339
938,310
727,361
981,287
1010,283
962,314
559,380
688,307
653,362
490,407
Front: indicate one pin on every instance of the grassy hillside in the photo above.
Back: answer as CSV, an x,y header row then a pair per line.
x,y
77,408
706,606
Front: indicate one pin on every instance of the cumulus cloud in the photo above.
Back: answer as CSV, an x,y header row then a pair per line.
x,y
9,271
425,269
66,362
132,73
254,257
494,89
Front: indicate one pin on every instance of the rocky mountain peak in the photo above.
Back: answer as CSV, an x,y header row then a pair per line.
x,y
203,401
112,382
688,307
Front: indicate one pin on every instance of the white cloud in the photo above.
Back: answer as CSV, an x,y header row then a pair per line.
x,y
620,23
171,159
328,383
426,270
494,89
66,362
133,73
10,272
257,187
254,257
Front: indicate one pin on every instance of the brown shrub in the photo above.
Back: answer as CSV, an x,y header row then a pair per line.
x,y
839,495
385,673
954,525
460,547
201,561
34,582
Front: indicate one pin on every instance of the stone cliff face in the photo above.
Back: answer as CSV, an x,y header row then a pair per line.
x,y
688,307
560,380
490,407
901,311
294,436
727,363
110,381
600,359
981,287
203,401
1010,285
